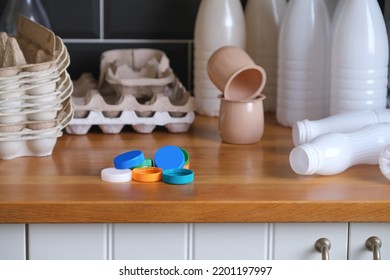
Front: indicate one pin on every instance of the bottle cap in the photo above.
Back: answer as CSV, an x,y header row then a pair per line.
x,y
147,174
114,175
129,159
169,157
148,162
186,159
178,176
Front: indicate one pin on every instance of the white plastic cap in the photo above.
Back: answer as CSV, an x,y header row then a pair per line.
x,y
114,175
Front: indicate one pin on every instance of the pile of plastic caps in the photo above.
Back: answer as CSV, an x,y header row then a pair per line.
x,y
170,164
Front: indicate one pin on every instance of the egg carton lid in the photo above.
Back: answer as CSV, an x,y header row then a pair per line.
x,y
132,58
86,97
31,33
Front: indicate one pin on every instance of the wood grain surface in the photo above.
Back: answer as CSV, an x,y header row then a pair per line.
x,y
233,183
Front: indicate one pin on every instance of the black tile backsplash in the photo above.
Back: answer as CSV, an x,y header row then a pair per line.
x,y
89,27
150,19
74,18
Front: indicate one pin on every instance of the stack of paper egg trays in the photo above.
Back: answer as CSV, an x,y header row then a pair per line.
x,y
35,91
136,87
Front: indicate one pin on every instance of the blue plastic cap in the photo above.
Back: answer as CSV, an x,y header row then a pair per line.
x,y
129,159
169,157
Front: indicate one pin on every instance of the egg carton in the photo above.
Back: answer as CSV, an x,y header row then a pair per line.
x,y
24,79
37,110
134,71
173,108
33,49
34,142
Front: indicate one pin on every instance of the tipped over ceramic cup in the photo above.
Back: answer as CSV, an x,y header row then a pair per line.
x,y
241,122
235,74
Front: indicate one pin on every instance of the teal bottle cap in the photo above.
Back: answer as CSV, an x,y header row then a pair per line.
x,y
178,176
169,157
129,159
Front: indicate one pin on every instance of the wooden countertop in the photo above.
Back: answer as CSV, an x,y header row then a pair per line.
x,y
233,183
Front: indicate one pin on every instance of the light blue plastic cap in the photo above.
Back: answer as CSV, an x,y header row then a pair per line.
x,y
169,157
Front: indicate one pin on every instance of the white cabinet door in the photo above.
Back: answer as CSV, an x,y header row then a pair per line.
x,y
150,241
12,242
230,241
360,232
295,241
67,241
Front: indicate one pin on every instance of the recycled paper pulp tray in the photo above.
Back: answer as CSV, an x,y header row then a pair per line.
x,y
42,40
174,108
134,71
32,142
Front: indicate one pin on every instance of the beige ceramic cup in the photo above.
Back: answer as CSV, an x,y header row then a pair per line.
x,y
241,122
235,74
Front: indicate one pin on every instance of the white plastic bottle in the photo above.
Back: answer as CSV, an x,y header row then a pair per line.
x,y
218,23
263,20
359,58
303,62
305,130
384,162
333,153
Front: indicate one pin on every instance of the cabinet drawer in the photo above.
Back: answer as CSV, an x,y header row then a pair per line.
x,y
360,232
296,240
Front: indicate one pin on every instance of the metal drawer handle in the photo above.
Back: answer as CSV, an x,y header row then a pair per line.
x,y
323,245
374,244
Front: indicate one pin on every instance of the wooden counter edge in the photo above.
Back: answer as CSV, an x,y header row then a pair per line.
x,y
190,212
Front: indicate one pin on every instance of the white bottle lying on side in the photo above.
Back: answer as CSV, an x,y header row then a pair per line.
x,y
333,153
305,130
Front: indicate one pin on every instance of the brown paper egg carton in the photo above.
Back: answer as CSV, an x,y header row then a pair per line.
x,y
173,108
35,91
34,142
33,49
129,71
35,111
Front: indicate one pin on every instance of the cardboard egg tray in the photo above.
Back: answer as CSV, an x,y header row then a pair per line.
x,y
172,108
32,50
130,71
34,142
35,91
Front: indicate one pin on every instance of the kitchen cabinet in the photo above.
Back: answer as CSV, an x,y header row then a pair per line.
x,y
186,241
